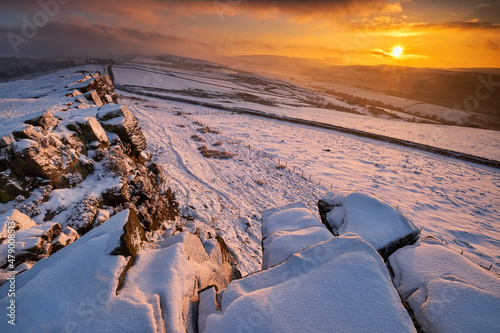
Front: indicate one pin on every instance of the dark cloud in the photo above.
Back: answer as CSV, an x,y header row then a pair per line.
x,y
65,39
152,11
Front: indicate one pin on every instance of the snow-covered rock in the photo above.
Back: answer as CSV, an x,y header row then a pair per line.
x,y
381,225
92,131
46,120
339,285
14,219
31,243
446,291
118,119
67,236
207,305
82,278
105,282
288,230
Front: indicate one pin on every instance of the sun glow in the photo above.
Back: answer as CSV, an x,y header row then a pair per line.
x,y
397,51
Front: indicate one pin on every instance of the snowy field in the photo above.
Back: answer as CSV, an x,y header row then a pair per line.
x,y
269,163
455,201
292,101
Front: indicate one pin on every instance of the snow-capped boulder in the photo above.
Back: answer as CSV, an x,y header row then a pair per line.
x,y
118,119
287,230
95,288
339,285
40,153
82,279
15,220
31,244
207,305
381,225
291,217
92,130
67,236
446,291
93,96
46,120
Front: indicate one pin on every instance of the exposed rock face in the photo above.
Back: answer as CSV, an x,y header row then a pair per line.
x,y
78,151
32,241
11,187
119,120
47,121
40,151
91,130
14,219
103,86
381,225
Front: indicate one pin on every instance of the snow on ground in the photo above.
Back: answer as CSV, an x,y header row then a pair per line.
x,y
292,102
473,141
446,292
453,200
224,197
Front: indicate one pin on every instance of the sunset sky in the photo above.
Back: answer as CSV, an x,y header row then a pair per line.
x,y
430,33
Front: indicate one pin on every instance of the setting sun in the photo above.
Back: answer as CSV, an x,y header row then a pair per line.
x,y
397,51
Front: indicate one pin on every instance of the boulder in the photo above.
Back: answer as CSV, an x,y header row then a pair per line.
x,y
381,225
48,162
93,96
46,120
118,119
95,288
82,278
14,219
91,130
116,195
446,291
287,230
341,285
207,305
31,244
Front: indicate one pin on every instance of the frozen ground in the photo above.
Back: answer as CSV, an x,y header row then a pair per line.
x,y
455,201
452,200
209,82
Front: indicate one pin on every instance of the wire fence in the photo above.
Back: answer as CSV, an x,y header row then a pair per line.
x,y
495,268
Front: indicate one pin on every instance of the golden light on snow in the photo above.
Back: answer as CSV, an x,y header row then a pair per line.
x,y
397,51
